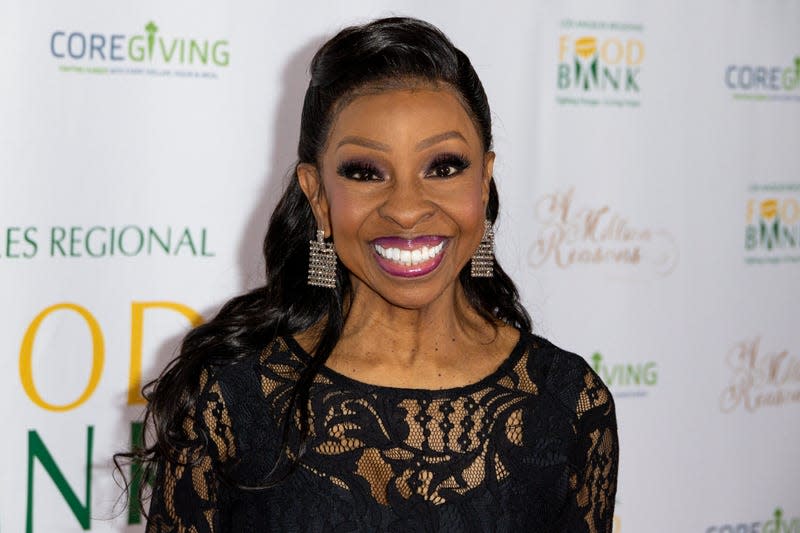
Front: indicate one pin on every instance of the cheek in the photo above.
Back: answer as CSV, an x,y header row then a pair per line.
x,y
470,213
473,221
467,204
346,210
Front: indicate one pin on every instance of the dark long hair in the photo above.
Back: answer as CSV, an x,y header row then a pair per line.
x,y
384,53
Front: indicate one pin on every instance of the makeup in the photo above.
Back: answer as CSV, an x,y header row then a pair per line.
x,y
409,258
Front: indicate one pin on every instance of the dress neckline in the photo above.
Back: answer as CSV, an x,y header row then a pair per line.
x,y
338,378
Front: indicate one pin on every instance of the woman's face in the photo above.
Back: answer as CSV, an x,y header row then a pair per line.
x,y
405,182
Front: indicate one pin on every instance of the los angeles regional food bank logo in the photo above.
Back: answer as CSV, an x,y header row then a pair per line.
x,y
772,224
573,235
23,242
150,53
760,377
599,63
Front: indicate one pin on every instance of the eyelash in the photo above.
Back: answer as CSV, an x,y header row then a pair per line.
x,y
366,171
458,162
352,170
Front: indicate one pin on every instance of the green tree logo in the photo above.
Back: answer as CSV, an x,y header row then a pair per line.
x,y
597,360
151,30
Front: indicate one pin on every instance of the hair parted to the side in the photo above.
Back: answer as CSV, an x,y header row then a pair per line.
x,y
385,53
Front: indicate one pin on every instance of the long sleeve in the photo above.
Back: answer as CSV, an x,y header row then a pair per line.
x,y
186,492
594,484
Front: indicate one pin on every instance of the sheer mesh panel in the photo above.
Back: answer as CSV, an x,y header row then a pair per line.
x,y
534,448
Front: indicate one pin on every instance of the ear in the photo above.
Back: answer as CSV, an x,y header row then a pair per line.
x,y
311,183
488,172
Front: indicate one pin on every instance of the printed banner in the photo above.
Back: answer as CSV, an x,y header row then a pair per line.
x,y
650,215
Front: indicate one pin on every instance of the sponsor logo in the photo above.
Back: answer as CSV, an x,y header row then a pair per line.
x,y
28,242
778,83
599,63
151,53
760,378
574,236
777,523
40,446
772,224
626,379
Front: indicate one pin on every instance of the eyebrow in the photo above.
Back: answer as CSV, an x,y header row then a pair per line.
x,y
363,141
430,141
376,145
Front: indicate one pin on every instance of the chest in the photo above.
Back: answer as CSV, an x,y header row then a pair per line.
x,y
436,449
490,460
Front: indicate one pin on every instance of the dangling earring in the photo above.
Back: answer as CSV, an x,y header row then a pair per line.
x,y
483,258
321,262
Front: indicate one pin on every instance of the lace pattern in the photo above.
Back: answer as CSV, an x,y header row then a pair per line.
x,y
532,447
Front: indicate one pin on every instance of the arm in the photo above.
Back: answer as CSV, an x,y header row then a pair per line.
x,y
594,484
186,496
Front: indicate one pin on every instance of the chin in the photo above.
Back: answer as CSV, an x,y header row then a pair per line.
x,y
407,296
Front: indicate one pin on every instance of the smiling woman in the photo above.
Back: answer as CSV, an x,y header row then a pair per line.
x,y
385,377
397,188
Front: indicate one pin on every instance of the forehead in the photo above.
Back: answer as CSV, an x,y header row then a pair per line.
x,y
406,115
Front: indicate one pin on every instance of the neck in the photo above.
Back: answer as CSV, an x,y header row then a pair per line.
x,y
377,328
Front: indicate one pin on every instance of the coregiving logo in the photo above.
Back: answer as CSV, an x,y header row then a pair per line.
x,y
628,379
777,523
150,53
599,63
775,83
772,224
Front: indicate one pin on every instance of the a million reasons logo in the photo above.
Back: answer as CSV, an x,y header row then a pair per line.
x,y
775,83
599,63
596,236
777,523
152,53
772,224
629,379
760,378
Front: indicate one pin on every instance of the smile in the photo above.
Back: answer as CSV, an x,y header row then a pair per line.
x,y
409,257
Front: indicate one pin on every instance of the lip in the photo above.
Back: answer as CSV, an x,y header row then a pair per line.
x,y
422,268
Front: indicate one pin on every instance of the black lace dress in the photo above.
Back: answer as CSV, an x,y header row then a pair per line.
x,y
531,447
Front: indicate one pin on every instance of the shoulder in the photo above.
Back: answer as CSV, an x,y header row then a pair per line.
x,y
226,423
244,376
567,377
253,390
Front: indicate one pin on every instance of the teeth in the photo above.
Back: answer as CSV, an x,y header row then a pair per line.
x,y
409,257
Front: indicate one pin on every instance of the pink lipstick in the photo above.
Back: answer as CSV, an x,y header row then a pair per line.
x,y
409,258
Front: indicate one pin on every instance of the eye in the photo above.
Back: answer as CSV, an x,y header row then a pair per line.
x,y
359,171
447,165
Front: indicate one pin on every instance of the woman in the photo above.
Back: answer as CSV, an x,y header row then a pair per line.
x,y
385,377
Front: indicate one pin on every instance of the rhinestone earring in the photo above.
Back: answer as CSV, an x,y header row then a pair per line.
x,y
483,258
321,262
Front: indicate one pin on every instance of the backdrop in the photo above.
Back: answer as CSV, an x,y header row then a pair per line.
x,y
647,158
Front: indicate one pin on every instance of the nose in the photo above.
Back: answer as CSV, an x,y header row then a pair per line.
x,y
406,204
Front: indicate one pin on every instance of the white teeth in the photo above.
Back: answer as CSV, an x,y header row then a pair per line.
x,y
409,257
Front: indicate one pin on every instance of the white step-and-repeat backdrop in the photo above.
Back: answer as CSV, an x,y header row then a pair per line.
x,y
647,159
